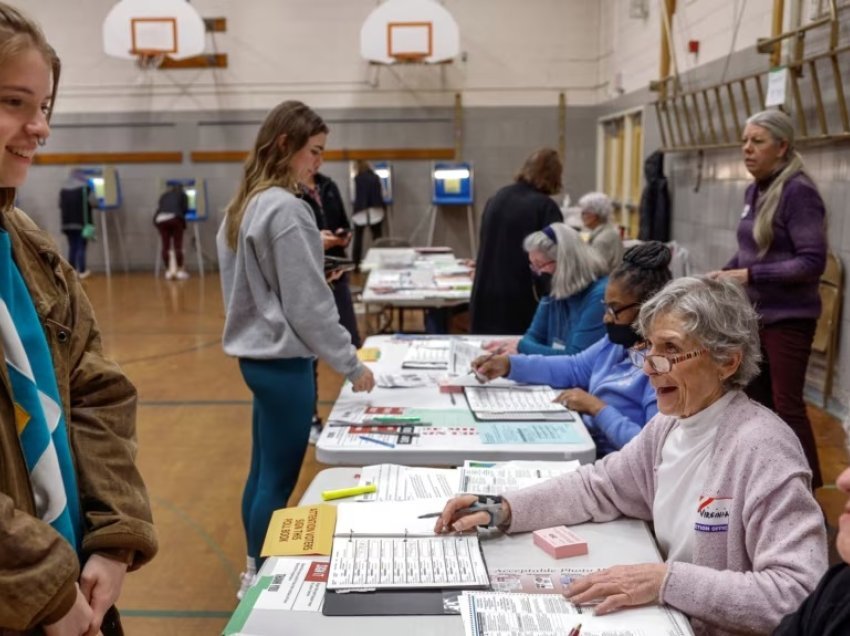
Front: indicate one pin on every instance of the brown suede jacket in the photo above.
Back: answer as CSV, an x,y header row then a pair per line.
x,y
38,568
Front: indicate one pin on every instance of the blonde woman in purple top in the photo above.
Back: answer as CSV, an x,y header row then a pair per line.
x,y
781,256
726,486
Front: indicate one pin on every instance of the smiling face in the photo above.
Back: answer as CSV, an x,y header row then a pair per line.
x,y
842,541
306,162
762,153
691,385
25,93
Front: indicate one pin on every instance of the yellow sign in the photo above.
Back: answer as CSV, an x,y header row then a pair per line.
x,y
368,354
302,530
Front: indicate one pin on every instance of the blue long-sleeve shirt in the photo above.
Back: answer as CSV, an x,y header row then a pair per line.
x,y
567,325
605,371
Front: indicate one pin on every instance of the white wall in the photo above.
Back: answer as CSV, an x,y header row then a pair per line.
x,y
517,54
631,46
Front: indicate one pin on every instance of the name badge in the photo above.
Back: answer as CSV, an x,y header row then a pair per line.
x,y
746,211
558,344
713,514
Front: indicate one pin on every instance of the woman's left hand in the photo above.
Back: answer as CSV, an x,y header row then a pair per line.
x,y
741,276
100,582
619,586
581,401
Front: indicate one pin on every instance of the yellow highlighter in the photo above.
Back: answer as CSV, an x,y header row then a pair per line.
x,y
348,492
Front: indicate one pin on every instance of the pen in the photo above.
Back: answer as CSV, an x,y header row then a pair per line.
x,y
575,631
348,492
375,440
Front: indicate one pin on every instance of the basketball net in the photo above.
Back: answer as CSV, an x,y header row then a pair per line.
x,y
149,61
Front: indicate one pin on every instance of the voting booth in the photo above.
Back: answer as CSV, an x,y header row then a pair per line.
x,y
106,185
452,189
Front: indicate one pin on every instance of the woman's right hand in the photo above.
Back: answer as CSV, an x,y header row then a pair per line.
x,y
76,622
453,520
364,382
491,367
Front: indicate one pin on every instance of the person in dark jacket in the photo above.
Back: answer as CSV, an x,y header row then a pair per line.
x,y
170,221
826,611
781,257
76,200
504,297
369,207
655,201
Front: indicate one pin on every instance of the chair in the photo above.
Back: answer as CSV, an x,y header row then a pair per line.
x,y
829,324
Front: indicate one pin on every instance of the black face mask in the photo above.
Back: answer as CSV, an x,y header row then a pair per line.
x,y
542,283
623,335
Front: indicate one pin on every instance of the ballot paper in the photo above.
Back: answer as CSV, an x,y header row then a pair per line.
x,y
385,545
499,614
494,478
516,403
402,483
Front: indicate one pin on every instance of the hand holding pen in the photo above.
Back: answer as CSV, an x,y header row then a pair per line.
x,y
493,365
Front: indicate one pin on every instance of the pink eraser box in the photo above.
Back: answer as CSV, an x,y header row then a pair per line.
x,y
560,542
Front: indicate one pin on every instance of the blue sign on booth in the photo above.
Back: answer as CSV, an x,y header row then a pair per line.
x,y
106,186
384,170
451,183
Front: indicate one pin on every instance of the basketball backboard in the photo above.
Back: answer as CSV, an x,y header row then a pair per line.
x,y
137,28
409,30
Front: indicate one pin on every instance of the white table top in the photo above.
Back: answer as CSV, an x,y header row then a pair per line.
x,y
404,277
617,542
456,435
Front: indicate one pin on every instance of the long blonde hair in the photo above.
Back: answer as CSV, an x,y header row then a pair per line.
x,y
780,128
18,34
285,131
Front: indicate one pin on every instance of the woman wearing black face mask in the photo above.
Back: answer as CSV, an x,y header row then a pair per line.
x,y
569,319
614,398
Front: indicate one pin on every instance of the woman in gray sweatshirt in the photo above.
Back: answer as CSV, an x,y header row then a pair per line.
x,y
279,311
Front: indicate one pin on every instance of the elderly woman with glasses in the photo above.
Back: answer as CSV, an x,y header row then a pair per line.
x,y
726,487
613,397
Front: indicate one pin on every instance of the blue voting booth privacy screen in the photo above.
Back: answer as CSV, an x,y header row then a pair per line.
x,y
106,186
196,192
451,183
384,170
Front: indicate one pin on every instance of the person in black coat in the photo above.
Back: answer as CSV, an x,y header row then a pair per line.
x,y
826,611
369,207
504,297
655,201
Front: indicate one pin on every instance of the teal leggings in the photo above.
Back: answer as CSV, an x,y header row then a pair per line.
x,y
283,410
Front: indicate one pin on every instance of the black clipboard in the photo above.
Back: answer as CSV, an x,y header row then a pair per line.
x,y
392,603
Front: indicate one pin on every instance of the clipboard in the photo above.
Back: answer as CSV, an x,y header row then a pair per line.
x,y
392,603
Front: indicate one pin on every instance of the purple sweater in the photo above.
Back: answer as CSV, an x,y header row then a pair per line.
x,y
784,283
746,574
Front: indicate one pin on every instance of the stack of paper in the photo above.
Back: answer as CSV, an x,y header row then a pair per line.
x,y
497,614
427,354
389,545
516,403
491,478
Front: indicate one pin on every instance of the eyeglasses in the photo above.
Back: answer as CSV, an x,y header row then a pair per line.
x,y
537,269
659,362
614,313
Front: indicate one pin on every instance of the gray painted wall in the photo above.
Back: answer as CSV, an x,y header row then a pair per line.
x,y
496,140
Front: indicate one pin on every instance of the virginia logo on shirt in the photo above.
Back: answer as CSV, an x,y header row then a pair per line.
x,y
713,514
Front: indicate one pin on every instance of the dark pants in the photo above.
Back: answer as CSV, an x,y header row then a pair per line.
x,y
345,307
283,410
377,231
171,233
785,348
76,249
